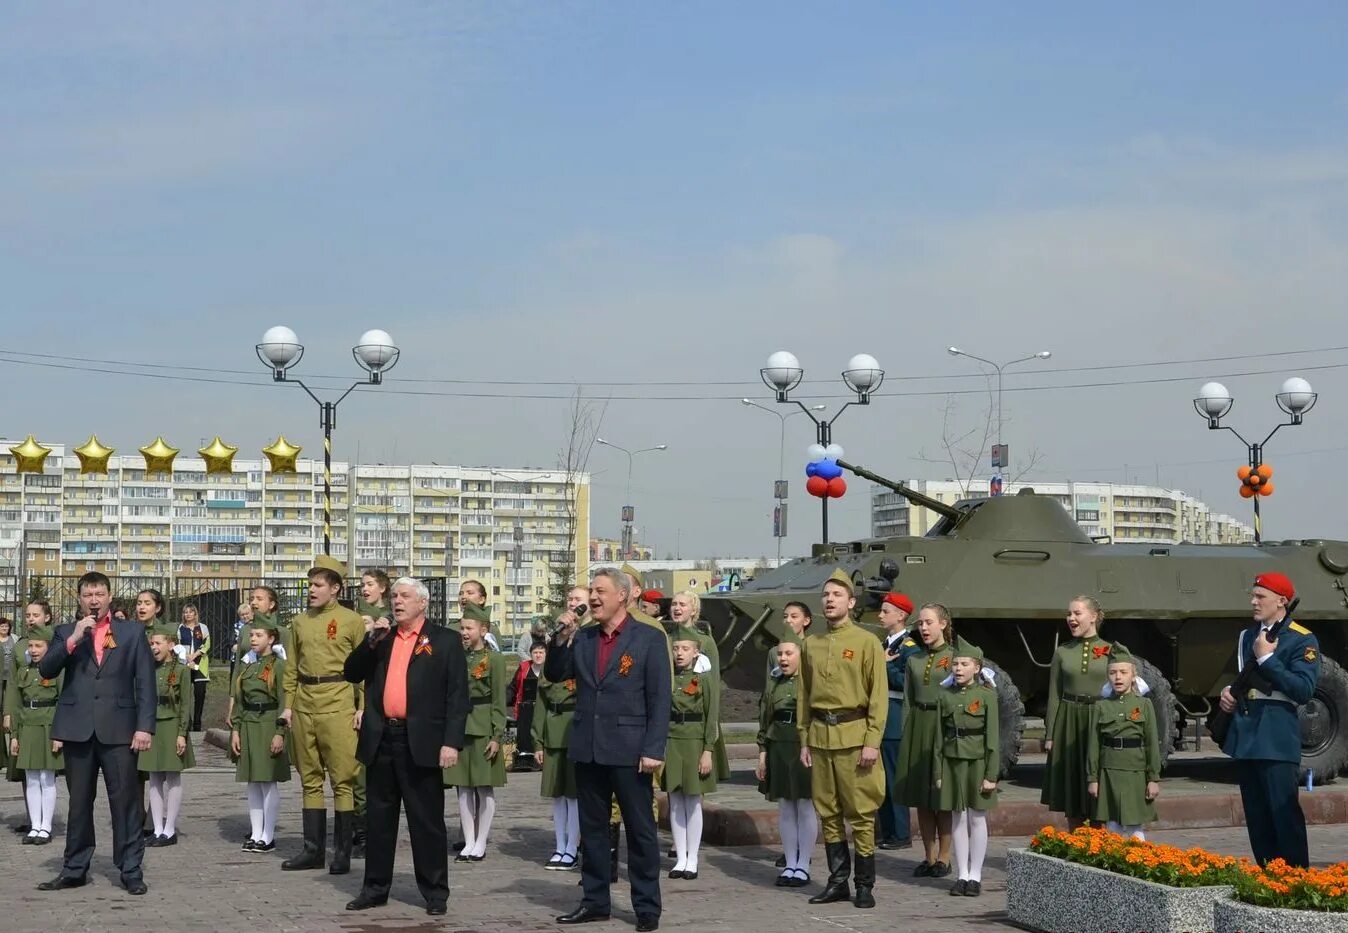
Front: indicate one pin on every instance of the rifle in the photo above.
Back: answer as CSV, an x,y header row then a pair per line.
x,y
1249,678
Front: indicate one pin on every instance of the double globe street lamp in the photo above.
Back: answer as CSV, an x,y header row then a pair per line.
x,y
783,373
1213,404
280,351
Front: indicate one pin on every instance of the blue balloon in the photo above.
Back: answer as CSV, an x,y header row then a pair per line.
x,y
828,469
811,469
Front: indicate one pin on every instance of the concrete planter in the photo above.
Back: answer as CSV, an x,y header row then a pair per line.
x,y
1233,916
1056,896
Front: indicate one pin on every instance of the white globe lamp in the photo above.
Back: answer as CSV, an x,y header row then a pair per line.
x,y
279,350
1296,398
376,352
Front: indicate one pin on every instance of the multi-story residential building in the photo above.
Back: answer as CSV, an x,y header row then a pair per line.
x,y
1125,512
517,531
610,550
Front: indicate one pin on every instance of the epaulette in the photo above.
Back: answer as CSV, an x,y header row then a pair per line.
x,y
1298,628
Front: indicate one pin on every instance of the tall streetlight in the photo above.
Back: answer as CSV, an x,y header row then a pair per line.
x,y
281,350
629,514
1214,402
1002,461
779,487
783,373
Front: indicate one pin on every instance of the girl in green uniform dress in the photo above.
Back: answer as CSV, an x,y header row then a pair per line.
x,y
32,701
781,776
915,785
1076,675
170,751
1123,753
551,733
967,763
685,609
481,766
690,765
258,735
37,614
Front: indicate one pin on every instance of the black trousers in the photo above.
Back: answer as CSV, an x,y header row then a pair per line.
x,y
198,701
524,731
83,761
596,786
393,781
1273,817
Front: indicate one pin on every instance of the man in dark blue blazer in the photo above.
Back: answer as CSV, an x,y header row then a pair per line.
x,y
105,717
618,736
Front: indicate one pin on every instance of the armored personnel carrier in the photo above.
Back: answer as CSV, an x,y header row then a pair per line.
x,y
1007,568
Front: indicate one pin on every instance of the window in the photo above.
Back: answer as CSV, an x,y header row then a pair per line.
x,y
496,591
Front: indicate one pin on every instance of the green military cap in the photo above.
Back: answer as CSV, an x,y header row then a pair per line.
x,y
166,631
38,633
475,613
632,572
328,562
267,622
789,637
1119,654
686,633
840,577
966,649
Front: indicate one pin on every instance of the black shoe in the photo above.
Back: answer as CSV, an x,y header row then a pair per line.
x,y
582,914
166,840
476,858
865,881
675,873
365,900
436,910
922,869
784,881
895,843
647,922
780,863
940,870
251,845
973,889
958,888
313,854
463,858
840,869
61,882
249,837
343,827
690,876
800,880
264,847
28,841
43,839
154,842
137,888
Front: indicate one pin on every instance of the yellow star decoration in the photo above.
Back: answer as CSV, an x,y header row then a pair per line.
x,y
29,456
93,456
282,455
158,456
219,456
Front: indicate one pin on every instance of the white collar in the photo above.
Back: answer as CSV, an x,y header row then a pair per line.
x,y
897,636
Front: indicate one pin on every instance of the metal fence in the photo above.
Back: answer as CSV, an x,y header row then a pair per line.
x,y
217,599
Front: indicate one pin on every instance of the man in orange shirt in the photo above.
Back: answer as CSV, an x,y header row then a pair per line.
x,y
416,706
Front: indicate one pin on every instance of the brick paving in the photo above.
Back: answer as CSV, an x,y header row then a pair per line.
x,y
206,883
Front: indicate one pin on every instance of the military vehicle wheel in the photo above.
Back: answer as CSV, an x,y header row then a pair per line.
x,y
1010,719
1324,725
1164,704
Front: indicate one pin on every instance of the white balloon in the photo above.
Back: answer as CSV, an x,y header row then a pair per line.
x,y
833,451
816,452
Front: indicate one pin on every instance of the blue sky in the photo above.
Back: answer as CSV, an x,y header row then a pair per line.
x,y
625,193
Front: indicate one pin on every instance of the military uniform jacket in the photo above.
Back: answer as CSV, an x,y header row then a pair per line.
x,y
1079,668
894,674
552,718
777,700
282,628
1265,727
26,685
261,683
842,671
969,727
692,697
322,640
923,676
487,694
1126,719
173,683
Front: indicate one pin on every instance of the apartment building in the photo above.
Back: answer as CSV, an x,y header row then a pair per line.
x,y
1127,513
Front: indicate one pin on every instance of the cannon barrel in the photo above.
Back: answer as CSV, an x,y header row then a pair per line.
x,y
912,495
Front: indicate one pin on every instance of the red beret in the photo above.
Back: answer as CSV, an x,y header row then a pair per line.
x,y
898,599
1276,583
652,596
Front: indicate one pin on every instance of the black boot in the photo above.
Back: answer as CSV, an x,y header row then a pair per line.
x,y
865,879
839,869
613,833
358,836
342,828
315,841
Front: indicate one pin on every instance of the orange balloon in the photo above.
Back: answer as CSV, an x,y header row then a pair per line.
x,y
1265,471
1246,492
1255,479
1266,489
1243,473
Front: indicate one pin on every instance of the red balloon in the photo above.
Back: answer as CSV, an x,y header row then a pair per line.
x,y
817,486
836,487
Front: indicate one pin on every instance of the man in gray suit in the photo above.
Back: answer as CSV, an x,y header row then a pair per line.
x,y
105,716
623,696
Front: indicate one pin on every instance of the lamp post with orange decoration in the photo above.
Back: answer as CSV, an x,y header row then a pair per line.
x,y
1256,477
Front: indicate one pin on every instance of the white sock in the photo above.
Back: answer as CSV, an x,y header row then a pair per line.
x,y
468,818
559,825
486,810
32,792
978,843
572,827
173,800
154,789
790,833
271,809
807,830
959,839
678,825
1136,832
255,809
47,779
694,804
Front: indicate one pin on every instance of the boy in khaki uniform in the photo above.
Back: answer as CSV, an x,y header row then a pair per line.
x,y
323,715
842,703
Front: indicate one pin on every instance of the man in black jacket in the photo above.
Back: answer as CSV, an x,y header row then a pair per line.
x,y
416,707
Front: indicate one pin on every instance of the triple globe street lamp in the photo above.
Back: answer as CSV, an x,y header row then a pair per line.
x,y
628,512
281,350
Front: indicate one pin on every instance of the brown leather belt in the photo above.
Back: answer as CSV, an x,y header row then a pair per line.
x,y
310,681
838,717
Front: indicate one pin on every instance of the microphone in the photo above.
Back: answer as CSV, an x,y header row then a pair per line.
x,y
580,614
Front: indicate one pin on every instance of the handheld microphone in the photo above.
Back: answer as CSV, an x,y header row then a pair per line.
x,y
579,613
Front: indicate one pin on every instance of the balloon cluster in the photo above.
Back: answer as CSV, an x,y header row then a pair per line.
x,y
825,476
1255,481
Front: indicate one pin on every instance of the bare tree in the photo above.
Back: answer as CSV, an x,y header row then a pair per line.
x,y
582,427
964,449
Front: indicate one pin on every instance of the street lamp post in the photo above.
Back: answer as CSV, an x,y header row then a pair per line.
x,y
783,373
628,512
1213,404
779,488
1000,367
280,351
